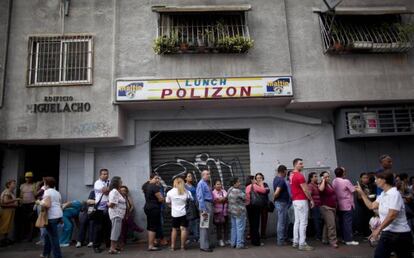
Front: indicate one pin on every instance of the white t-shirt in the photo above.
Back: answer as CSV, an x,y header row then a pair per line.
x,y
99,184
178,202
120,204
55,210
392,200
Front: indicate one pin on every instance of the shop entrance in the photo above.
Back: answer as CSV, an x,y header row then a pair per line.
x,y
224,153
43,161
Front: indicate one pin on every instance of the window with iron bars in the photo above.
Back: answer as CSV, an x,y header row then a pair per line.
x,y
365,33
60,60
206,32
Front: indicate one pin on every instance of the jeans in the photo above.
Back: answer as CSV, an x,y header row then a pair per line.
x,y
301,208
345,218
317,223
238,225
52,239
194,229
400,243
282,221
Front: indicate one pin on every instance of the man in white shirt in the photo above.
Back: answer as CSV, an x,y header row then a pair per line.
x,y
102,223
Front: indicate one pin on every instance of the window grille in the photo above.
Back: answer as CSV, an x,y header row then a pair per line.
x,y
205,31
365,33
380,121
60,60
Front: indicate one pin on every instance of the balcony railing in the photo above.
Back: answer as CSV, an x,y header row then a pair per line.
x,y
198,35
345,34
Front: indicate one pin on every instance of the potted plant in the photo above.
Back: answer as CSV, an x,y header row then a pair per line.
x,y
405,34
184,46
165,45
234,44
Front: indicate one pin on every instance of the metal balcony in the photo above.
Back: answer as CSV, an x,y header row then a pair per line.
x,y
365,34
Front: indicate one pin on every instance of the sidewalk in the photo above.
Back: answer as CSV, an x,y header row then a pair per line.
x,y
270,250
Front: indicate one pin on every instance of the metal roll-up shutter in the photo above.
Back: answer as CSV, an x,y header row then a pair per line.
x,y
224,153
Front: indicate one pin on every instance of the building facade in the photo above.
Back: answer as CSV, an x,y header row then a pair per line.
x,y
174,86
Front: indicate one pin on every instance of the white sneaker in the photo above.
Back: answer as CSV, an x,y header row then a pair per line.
x,y
221,243
64,245
78,244
352,243
90,244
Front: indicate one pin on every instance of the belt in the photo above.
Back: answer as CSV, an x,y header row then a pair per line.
x,y
208,201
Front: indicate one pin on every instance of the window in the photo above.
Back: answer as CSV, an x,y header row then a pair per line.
x,y
375,121
60,60
203,32
365,33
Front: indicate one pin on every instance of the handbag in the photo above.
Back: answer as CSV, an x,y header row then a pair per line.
x,y
42,220
270,207
92,209
191,210
255,198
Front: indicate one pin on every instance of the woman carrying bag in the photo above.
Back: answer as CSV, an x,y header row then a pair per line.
x,y
254,205
52,202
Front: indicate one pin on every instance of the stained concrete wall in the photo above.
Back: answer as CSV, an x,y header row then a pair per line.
x,y
40,17
334,80
273,140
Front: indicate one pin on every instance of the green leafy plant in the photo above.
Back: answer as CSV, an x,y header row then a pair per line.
x,y
235,44
166,44
405,31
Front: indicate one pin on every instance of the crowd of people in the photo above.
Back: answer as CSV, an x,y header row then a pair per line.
x,y
207,214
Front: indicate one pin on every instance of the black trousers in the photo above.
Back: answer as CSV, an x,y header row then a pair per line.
x,y
400,243
85,226
253,214
102,228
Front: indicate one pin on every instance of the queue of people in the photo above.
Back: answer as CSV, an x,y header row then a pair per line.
x,y
204,212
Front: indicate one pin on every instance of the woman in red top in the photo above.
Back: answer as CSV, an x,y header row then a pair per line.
x,y
315,211
253,211
328,210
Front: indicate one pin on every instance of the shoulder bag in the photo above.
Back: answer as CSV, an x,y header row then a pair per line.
x,y
255,198
191,210
92,209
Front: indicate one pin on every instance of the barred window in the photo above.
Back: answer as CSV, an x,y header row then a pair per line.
x,y
60,60
341,34
203,32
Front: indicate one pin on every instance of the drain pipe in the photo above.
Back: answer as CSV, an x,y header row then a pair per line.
x,y
3,65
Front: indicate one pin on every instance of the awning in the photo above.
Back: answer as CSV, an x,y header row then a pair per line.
x,y
377,10
201,8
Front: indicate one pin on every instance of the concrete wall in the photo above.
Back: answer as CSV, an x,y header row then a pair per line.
x,y
39,17
272,141
138,29
333,80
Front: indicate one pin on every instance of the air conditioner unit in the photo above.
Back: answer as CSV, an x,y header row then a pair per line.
x,y
362,122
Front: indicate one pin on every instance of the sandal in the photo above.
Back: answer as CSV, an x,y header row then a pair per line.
x,y
172,248
114,252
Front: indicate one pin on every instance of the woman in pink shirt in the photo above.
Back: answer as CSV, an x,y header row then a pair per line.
x,y
253,211
344,191
220,211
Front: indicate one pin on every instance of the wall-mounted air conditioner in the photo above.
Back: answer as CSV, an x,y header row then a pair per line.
x,y
362,122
